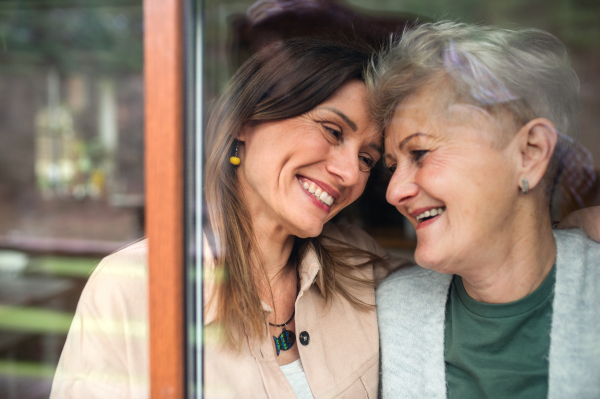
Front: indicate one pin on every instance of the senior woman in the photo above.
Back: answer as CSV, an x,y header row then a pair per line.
x,y
289,300
500,306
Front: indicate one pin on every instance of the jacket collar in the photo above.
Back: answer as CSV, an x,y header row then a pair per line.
x,y
308,270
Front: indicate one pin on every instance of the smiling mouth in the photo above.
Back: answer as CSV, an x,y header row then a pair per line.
x,y
429,214
313,189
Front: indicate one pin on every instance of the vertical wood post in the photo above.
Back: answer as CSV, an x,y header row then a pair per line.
x,y
163,70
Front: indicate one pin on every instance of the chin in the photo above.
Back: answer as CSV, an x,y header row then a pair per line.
x,y
309,231
423,261
437,260
426,258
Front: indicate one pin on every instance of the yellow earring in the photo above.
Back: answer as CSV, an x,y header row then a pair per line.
x,y
235,160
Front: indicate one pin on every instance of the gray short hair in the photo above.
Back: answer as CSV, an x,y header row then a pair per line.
x,y
525,70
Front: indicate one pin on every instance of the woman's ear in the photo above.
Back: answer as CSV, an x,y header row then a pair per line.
x,y
246,130
537,140
243,133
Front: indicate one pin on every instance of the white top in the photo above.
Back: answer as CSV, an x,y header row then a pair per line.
x,y
297,379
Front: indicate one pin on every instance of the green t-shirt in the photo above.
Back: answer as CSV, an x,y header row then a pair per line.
x,y
498,350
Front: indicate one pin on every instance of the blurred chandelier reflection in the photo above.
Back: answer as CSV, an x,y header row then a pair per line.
x,y
67,165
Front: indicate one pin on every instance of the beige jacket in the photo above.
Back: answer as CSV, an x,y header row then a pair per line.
x,y
106,354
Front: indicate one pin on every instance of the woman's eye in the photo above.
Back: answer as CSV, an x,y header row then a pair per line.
x,y
334,132
367,162
392,168
418,154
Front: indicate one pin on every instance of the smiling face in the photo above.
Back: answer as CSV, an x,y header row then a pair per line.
x,y
451,179
297,173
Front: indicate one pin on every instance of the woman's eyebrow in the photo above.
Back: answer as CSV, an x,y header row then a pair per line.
x,y
376,147
343,116
406,140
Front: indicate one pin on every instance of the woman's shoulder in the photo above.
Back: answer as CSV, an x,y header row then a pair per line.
x,y
119,283
577,259
575,239
106,351
131,260
412,281
573,246
409,275
134,255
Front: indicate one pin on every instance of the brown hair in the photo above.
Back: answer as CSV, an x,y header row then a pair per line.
x,y
282,81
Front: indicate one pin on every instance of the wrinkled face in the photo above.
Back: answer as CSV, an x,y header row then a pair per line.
x,y
299,172
456,187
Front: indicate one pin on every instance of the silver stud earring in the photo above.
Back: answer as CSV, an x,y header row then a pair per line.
x,y
525,187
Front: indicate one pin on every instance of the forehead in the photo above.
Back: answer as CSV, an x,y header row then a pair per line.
x,y
354,88
351,100
435,113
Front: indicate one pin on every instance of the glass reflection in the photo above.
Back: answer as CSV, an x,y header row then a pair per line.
x,y
81,145
71,173
236,234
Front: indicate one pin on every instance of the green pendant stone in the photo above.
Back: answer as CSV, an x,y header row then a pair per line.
x,y
285,341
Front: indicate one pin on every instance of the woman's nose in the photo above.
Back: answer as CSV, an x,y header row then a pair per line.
x,y
401,189
345,165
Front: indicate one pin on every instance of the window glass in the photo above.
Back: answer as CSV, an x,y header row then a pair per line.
x,y
235,31
71,169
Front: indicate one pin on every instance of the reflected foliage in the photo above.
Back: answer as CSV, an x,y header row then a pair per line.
x,y
72,36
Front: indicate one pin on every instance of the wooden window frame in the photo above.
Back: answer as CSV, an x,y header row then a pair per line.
x,y
164,166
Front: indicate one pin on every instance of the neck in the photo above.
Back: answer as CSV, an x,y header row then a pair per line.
x,y
276,281
273,253
519,265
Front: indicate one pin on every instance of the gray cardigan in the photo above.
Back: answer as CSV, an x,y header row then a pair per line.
x,y
411,306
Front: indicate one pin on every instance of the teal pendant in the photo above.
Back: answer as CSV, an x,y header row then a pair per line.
x,y
285,341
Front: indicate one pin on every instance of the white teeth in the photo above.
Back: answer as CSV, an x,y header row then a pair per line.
x,y
431,212
318,192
